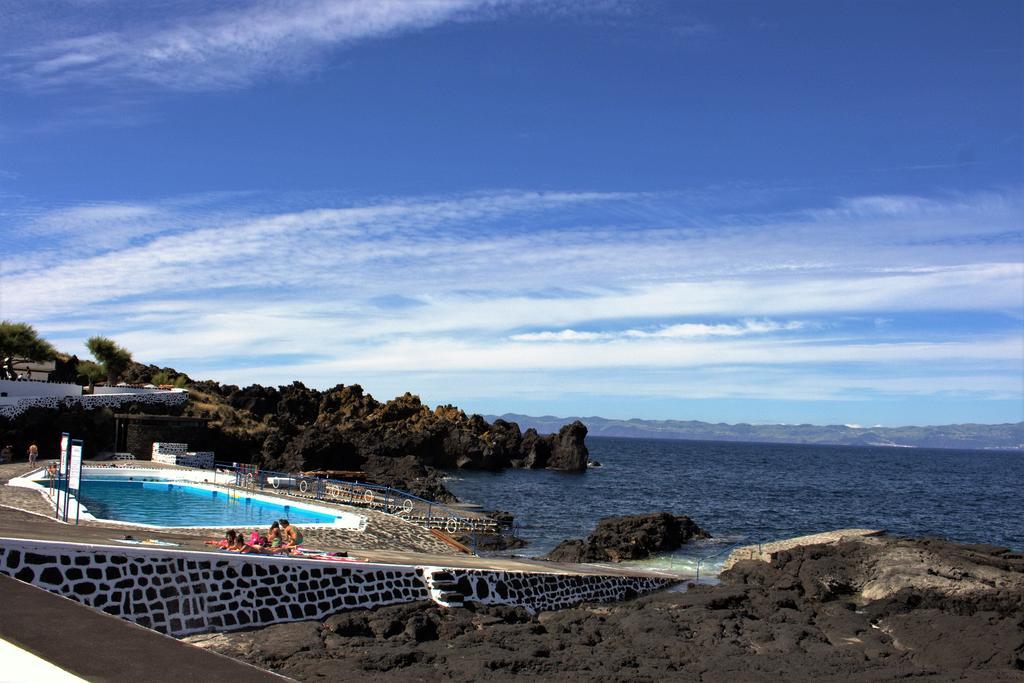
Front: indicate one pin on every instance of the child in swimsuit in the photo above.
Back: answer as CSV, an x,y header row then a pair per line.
x,y
274,536
292,535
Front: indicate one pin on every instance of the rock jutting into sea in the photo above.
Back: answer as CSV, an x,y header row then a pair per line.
x,y
632,537
345,429
868,609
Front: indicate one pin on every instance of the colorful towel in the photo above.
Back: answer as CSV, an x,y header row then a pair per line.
x,y
145,541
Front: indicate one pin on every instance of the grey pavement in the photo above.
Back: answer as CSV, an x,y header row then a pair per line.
x,y
99,647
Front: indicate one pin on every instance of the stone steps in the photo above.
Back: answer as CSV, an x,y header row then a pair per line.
x,y
443,587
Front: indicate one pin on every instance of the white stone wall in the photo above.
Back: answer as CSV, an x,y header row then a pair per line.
x,y
168,398
168,448
179,593
178,454
28,388
202,459
122,390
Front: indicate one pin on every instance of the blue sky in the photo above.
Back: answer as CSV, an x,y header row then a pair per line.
x,y
727,211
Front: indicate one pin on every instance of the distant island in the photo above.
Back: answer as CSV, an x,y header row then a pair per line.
x,y
968,436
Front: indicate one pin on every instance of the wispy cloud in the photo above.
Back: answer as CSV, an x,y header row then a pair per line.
x,y
681,331
207,47
543,283
204,46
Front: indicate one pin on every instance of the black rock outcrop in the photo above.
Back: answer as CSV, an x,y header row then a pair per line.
x,y
400,442
947,612
633,537
569,452
344,428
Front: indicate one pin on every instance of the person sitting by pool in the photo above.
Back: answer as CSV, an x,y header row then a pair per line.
x,y
230,536
274,540
291,536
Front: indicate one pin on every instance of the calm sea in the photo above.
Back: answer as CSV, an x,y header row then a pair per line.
x,y
746,493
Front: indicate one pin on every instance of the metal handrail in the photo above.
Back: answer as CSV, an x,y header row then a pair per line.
x,y
760,543
702,559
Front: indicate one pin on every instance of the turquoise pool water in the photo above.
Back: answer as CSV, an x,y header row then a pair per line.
x,y
167,504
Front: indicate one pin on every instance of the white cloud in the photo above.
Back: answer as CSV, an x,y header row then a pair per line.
x,y
211,46
533,283
681,331
794,380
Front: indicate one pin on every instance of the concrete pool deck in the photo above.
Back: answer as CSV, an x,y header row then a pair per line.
x,y
189,588
387,539
21,524
383,531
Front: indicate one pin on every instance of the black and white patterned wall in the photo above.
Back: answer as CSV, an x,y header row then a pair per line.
x,y
91,402
180,593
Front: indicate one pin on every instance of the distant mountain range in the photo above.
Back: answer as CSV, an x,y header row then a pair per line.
x,y
982,436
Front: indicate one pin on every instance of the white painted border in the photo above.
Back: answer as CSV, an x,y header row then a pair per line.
x,y
22,665
195,479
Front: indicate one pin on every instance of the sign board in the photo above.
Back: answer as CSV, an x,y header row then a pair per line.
x,y
65,449
69,476
60,485
75,465
75,475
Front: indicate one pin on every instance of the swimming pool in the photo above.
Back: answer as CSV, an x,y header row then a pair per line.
x,y
175,504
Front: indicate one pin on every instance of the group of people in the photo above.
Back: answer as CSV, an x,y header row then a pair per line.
x,y
282,537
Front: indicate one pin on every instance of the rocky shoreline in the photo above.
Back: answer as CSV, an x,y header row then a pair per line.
x,y
630,537
875,608
401,443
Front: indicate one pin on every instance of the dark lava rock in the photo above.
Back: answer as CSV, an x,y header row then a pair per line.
x,y
569,452
632,537
534,450
965,621
491,542
408,474
296,428
566,451
344,428
258,400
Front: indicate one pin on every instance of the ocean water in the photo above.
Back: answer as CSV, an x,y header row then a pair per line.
x,y
747,493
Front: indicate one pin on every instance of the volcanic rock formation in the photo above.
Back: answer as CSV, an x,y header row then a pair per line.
x,y
400,443
869,609
632,537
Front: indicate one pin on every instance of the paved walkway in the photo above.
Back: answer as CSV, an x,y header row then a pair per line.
x,y
25,525
24,513
99,647
764,551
